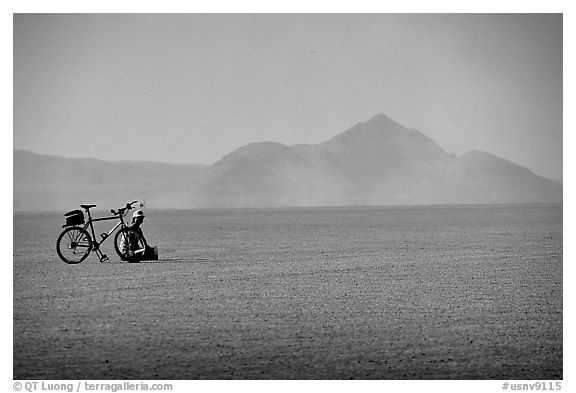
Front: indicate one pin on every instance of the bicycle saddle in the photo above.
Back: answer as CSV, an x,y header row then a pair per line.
x,y
87,206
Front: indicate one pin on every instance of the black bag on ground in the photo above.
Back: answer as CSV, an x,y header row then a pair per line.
x,y
75,217
151,254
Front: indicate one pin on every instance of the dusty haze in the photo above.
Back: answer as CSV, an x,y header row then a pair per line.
x,y
375,162
192,88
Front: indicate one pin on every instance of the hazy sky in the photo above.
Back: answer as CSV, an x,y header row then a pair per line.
x,y
191,88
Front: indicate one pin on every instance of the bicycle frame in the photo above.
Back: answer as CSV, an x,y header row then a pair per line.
x,y
96,243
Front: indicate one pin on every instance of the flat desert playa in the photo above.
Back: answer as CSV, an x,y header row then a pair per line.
x,y
470,292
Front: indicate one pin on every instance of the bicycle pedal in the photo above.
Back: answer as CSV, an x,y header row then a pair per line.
x,y
104,258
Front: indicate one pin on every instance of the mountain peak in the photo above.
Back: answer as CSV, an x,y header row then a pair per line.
x,y
256,151
384,132
376,127
380,119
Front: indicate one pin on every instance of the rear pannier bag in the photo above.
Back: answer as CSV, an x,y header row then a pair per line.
x,y
75,217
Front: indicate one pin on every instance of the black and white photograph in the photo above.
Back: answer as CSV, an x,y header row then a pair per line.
x,y
287,196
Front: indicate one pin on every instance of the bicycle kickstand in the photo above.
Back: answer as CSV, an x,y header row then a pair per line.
x,y
101,256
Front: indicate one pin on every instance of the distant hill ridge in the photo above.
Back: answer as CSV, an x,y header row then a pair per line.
x,y
377,162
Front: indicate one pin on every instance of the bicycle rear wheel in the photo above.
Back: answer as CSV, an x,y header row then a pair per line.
x,y
129,245
74,245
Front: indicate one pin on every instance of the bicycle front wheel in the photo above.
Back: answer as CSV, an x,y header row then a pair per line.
x,y
129,245
74,245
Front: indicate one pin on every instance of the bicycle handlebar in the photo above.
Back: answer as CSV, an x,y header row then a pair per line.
x,y
123,209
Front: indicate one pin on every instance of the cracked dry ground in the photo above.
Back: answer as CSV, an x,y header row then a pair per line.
x,y
362,293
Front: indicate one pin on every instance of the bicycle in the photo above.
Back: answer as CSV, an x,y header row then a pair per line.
x,y
75,242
